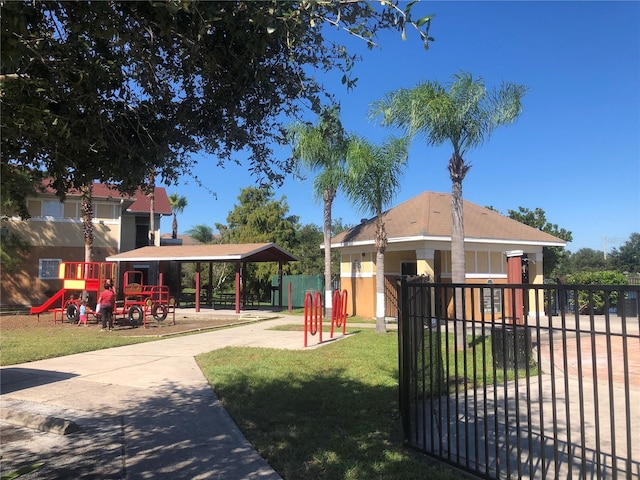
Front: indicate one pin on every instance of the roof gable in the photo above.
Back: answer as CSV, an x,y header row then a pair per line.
x,y
428,215
142,203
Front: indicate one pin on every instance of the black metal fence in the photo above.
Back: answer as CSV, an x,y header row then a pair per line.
x,y
513,381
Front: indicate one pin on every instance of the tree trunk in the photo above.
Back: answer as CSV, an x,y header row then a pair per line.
x,y
457,171
328,291
381,326
174,227
87,220
381,246
86,211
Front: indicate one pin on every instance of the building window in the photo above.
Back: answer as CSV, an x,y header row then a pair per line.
x,y
48,268
71,210
409,268
52,208
105,210
356,267
491,299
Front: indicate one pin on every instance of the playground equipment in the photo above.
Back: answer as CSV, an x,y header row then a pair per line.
x,y
140,300
77,277
313,314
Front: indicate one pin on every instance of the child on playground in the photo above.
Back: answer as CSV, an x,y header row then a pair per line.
x,y
83,313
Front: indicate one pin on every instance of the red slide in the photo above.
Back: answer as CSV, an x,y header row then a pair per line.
x,y
48,304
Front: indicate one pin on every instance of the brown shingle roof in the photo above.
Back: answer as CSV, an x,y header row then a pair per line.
x,y
248,252
428,216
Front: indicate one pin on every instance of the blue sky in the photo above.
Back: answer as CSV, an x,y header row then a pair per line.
x,y
574,151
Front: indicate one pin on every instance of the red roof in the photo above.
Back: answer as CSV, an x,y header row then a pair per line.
x,y
140,201
142,204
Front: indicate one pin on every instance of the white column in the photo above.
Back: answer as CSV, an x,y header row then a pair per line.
x,y
425,259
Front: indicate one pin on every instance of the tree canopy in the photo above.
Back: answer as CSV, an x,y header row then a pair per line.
x,y
322,149
627,257
109,91
373,179
259,218
462,114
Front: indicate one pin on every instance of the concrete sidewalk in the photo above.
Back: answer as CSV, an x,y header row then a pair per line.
x,y
143,411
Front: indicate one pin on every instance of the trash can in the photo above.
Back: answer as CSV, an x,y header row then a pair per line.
x,y
511,345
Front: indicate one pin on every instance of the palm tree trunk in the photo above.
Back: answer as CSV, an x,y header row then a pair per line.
x,y
381,326
457,235
87,220
381,247
86,211
328,291
457,172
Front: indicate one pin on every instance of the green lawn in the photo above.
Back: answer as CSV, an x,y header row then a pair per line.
x,y
326,413
30,344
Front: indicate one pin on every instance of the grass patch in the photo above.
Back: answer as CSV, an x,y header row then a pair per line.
x,y
30,344
328,413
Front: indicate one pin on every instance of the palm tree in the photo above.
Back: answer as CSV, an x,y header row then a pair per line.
x,y
322,148
178,205
463,115
373,179
201,233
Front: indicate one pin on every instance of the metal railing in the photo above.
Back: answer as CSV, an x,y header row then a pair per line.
x,y
513,381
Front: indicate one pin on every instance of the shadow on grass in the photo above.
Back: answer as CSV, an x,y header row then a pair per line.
x,y
324,425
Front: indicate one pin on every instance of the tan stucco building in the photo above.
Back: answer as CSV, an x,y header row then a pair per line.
x,y
55,234
419,243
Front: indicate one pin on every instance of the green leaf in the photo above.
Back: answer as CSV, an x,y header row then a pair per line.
x,y
421,21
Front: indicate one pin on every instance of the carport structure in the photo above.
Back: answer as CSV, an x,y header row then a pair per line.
x,y
238,254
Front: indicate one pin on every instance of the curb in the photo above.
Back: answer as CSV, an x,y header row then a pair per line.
x,y
44,423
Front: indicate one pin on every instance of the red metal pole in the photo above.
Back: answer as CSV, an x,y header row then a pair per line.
x,y
343,300
335,312
198,287
238,281
307,314
319,312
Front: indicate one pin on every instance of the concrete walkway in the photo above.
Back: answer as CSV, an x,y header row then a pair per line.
x,y
143,411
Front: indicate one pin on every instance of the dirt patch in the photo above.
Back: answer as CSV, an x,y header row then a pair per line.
x,y
183,323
